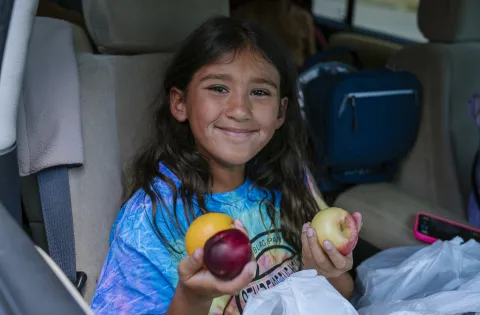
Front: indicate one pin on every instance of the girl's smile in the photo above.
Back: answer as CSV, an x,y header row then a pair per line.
x,y
237,134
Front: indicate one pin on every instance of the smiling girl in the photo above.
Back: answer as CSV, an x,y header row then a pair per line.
x,y
228,138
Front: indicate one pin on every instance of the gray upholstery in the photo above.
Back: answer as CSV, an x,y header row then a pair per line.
x,y
48,128
81,42
120,26
28,284
389,213
372,51
116,93
95,188
439,167
48,125
139,80
449,21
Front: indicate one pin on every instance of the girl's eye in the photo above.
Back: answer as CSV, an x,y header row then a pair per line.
x,y
260,93
218,89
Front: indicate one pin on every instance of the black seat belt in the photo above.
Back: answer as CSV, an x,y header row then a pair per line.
x,y
57,214
10,183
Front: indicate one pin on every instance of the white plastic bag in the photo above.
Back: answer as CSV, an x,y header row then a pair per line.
x,y
440,279
303,293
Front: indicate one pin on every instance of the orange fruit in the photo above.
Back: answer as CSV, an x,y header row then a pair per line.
x,y
205,227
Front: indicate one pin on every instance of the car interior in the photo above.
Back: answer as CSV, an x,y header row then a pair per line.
x,y
78,80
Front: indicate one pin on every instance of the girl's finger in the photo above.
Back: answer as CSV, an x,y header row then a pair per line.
x,y
241,281
321,259
190,265
239,225
340,262
358,219
306,253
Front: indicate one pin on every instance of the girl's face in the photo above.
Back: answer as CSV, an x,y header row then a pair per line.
x,y
233,108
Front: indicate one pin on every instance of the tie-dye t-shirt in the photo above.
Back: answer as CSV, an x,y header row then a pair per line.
x,y
140,272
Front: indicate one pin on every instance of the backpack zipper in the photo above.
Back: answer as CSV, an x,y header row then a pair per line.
x,y
350,99
354,114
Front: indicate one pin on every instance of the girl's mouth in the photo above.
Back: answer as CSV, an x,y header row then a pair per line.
x,y
236,132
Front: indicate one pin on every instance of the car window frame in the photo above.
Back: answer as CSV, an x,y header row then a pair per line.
x,y
347,25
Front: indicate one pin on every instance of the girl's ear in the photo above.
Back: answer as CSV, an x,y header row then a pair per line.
x,y
282,111
178,107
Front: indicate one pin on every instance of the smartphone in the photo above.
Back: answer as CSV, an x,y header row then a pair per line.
x,y
430,228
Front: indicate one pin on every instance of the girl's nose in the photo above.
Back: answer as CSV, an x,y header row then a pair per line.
x,y
239,109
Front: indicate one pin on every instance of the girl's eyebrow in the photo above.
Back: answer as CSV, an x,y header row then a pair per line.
x,y
227,77
265,81
217,76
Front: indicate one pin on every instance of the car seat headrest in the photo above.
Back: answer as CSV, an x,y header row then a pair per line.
x,y
449,21
146,26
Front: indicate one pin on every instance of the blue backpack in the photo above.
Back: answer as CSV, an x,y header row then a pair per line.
x,y
362,123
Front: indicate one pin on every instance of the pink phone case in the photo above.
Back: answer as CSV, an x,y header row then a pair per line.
x,y
428,239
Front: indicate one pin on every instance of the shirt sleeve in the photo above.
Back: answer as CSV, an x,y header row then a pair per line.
x,y
137,274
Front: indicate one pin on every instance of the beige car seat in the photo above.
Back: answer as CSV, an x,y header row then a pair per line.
x,y
373,52
118,87
436,175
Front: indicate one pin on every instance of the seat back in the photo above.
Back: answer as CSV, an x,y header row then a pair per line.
x,y
118,89
49,136
116,92
373,52
438,168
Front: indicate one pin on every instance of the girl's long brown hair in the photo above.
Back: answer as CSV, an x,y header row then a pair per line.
x,y
280,166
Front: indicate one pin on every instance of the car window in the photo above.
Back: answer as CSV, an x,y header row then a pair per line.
x,y
330,9
392,17
397,18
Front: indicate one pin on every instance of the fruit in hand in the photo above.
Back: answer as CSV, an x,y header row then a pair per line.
x,y
226,253
337,226
205,227
226,250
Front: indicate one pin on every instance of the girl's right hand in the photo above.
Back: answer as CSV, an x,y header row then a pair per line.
x,y
198,282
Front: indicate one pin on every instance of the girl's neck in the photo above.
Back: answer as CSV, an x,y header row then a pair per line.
x,y
226,178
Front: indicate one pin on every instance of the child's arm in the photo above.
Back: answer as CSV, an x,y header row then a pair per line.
x,y
184,303
132,280
343,283
197,287
138,272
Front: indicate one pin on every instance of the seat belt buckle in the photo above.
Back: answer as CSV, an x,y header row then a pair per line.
x,y
81,280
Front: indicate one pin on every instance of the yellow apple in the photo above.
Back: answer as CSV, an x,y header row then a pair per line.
x,y
337,226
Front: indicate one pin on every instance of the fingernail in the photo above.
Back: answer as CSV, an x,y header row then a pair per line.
x,y
239,223
305,227
327,245
197,254
310,232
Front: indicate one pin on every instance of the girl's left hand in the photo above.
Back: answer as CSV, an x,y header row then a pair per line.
x,y
328,262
